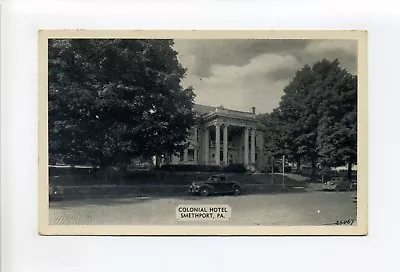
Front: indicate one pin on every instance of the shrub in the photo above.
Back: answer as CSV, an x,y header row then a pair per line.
x,y
189,168
277,169
59,171
235,168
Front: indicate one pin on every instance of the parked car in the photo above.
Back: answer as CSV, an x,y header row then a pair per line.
x,y
337,184
55,193
216,184
353,185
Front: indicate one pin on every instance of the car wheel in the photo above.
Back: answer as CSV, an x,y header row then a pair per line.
x,y
204,191
236,190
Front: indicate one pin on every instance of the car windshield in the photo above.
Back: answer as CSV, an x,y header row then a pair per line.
x,y
217,178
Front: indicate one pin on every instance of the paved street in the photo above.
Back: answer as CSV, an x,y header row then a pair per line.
x,y
303,208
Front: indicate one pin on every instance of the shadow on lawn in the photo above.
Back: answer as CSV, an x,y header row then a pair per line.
x,y
99,200
105,200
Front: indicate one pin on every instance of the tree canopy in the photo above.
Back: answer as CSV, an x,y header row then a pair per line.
x,y
111,100
316,119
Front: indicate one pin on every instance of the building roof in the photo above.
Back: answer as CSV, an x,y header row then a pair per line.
x,y
203,109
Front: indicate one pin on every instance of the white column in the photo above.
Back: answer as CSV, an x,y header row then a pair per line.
x,y
246,146
260,147
253,147
217,144
195,134
225,143
185,156
206,146
195,159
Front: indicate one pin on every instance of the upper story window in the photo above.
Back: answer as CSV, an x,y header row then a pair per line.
x,y
194,134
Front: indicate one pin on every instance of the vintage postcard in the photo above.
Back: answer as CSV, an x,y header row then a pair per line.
x,y
202,132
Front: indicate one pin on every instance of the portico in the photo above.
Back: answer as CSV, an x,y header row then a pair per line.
x,y
229,144
224,136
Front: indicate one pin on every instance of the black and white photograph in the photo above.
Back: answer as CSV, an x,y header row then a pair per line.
x,y
202,132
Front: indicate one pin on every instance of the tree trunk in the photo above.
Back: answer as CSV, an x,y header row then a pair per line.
x,y
158,161
94,170
107,170
313,168
166,158
124,166
349,172
298,161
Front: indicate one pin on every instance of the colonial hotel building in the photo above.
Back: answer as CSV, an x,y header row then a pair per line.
x,y
223,136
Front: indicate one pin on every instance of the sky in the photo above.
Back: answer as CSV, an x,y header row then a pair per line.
x,y
240,74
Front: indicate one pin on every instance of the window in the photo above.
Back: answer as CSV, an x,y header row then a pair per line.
x,y
190,154
221,155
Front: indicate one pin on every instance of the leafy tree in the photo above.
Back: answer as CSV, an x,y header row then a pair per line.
x,y
318,116
276,134
299,117
111,100
337,140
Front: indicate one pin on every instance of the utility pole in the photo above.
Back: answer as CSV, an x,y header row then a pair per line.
x,y
283,171
272,170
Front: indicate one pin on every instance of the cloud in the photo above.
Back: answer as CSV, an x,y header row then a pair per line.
x,y
322,46
239,74
230,52
344,50
241,87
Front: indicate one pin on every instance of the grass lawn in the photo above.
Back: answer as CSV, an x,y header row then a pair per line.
x,y
166,178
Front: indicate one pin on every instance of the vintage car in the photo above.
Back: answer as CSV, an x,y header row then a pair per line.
x,y
337,184
216,184
353,185
55,193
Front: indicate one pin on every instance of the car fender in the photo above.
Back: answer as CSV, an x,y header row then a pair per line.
x,y
210,187
235,183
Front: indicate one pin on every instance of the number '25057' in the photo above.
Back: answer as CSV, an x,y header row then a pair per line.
x,y
345,222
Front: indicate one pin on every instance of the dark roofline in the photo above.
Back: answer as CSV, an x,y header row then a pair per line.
x,y
216,107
